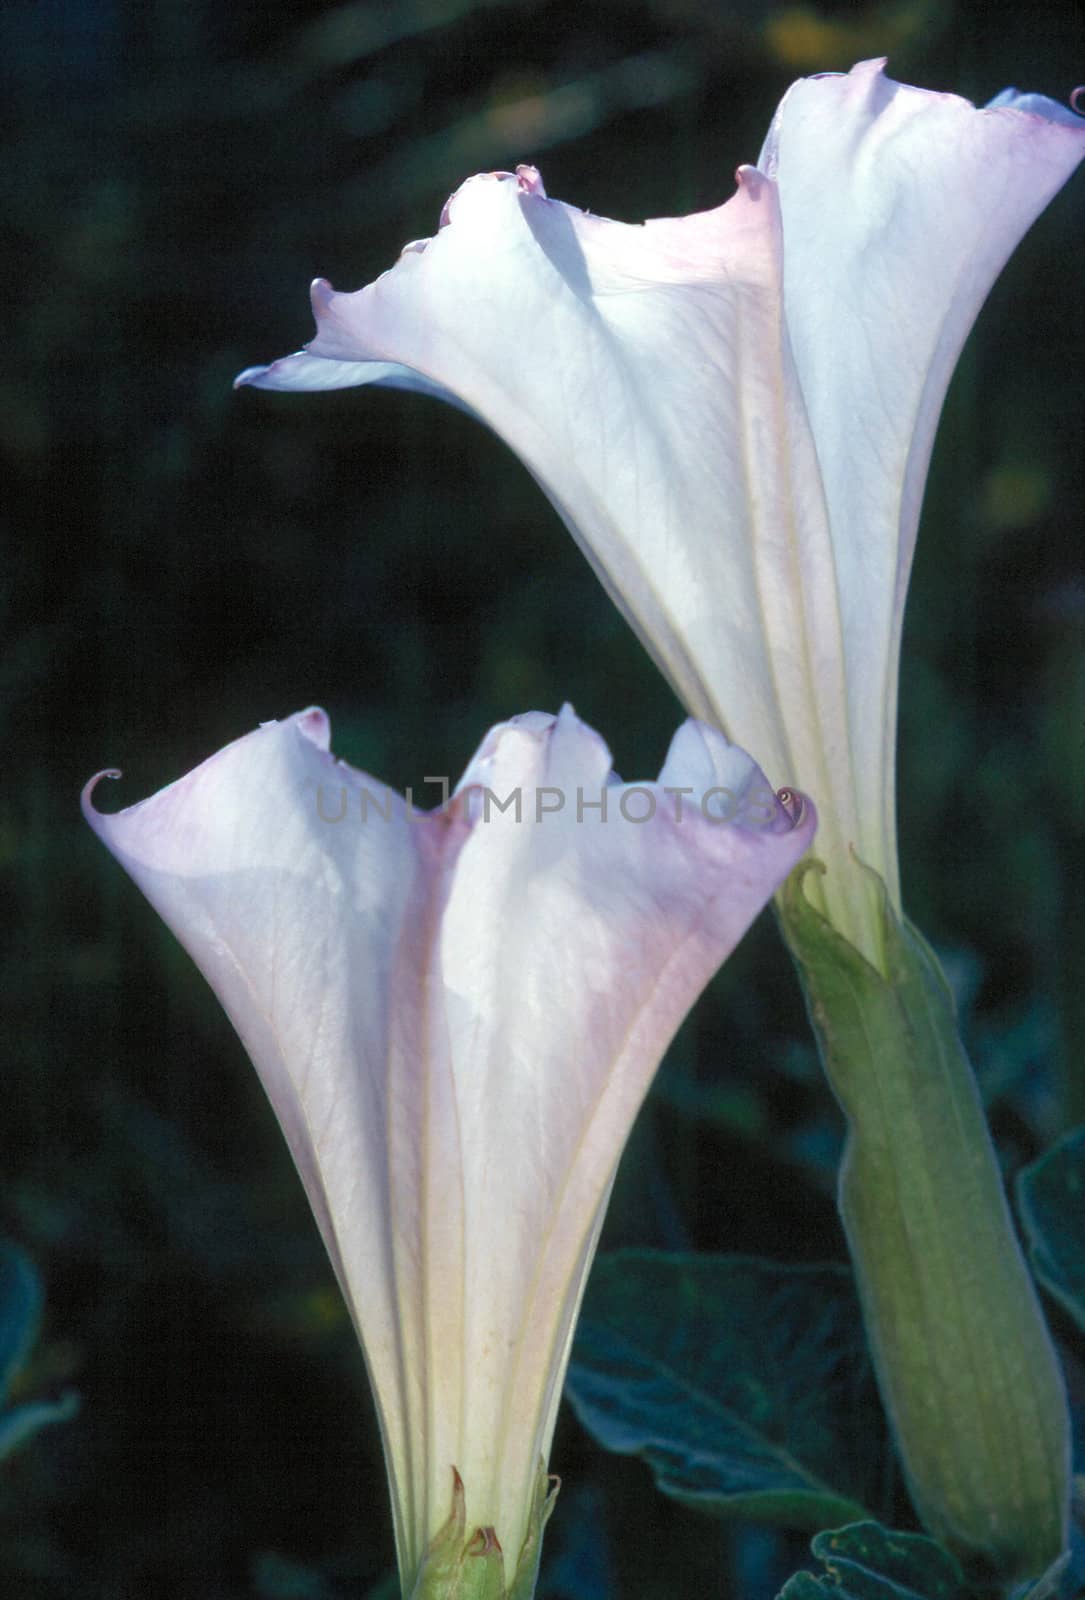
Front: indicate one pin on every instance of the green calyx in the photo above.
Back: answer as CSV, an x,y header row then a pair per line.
x,y
471,1566
964,1362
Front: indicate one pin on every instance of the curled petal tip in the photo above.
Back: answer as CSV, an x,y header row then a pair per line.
x,y
90,810
1077,100
795,804
250,375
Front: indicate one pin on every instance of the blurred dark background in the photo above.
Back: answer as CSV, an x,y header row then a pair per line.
x,y
181,562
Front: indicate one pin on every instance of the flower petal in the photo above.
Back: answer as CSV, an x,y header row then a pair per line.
x,y
642,374
456,1016
900,208
308,372
277,902
734,412
604,929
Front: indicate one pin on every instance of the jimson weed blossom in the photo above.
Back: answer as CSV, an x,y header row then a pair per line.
x,y
733,412
456,1022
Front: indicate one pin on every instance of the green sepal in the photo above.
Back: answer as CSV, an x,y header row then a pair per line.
x,y
527,1566
471,1566
964,1362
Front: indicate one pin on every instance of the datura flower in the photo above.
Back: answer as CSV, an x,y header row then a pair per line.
x,y
734,411
456,1015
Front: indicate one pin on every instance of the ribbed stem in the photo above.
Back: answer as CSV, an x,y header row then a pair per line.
x,y
965,1365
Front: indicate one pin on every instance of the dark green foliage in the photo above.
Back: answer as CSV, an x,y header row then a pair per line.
x,y
868,1562
20,1319
744,1384
1051,1197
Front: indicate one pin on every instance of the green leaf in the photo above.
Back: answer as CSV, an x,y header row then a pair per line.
x,y
1051,1198
21,1300
387,1589
277,1578
21,1423
578,1564
868,1562
805,1586
744,1384
526,1575
20,1312
1049,1585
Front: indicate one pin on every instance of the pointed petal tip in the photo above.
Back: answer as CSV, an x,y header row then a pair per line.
x,y
315,724
1023,102
288,372
538,722
538,747
588,746
284,373
702,760
751,179
698,747
530,180
873,73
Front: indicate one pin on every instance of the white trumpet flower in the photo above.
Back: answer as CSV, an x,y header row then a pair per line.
x,y
734,411
456,1016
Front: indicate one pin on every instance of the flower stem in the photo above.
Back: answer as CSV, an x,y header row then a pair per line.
x,y
965,1365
